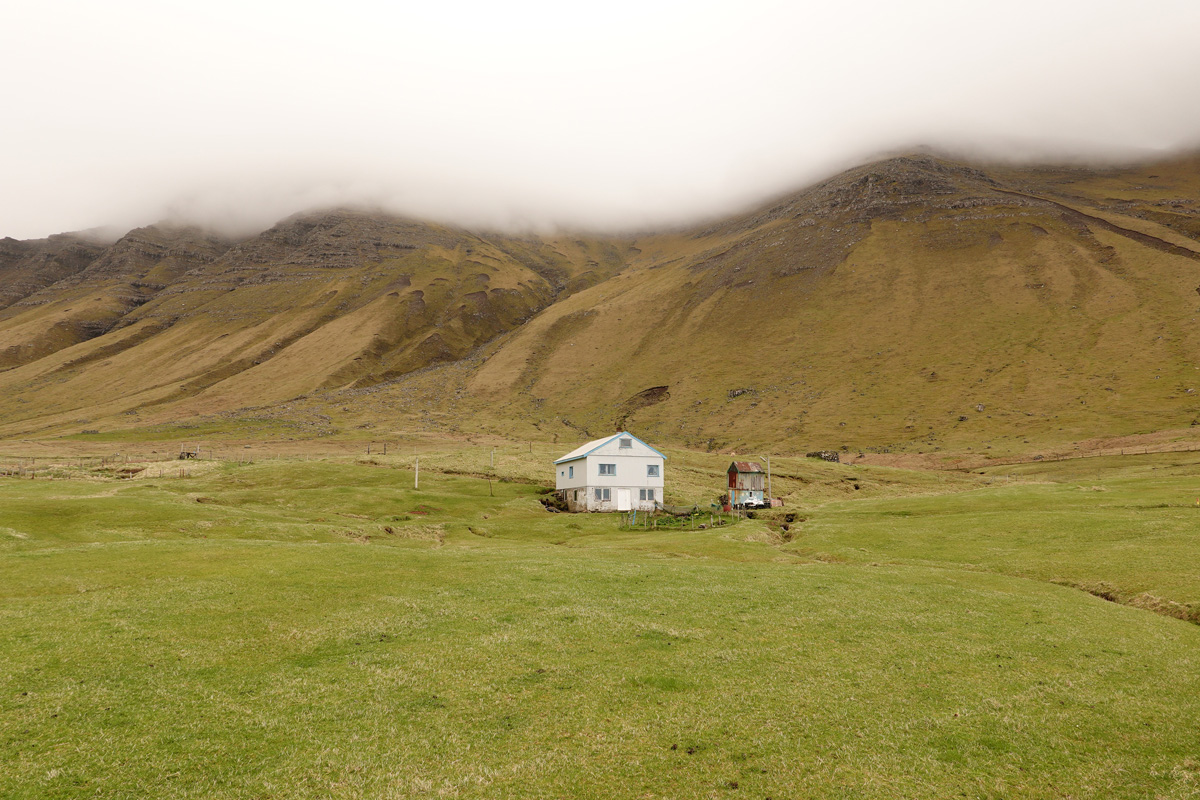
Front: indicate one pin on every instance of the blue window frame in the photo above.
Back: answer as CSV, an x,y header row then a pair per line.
x,y
652,470
608,469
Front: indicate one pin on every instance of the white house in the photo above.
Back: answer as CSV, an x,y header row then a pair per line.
x,y
616,473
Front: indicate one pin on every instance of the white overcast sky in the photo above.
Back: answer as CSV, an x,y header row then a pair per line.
x,y
603,115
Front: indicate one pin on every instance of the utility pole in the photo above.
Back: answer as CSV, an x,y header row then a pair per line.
x,y
770,494
417,474
493,459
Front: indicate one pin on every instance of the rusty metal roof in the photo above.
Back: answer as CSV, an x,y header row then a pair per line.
x,y
745,466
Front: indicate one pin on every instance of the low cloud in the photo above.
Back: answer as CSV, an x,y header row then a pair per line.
x,y
535,116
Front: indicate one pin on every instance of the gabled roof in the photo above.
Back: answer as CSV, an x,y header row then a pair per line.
x,y
596,444
744,466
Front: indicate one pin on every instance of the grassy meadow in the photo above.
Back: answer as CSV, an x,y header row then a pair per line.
x,y
317,627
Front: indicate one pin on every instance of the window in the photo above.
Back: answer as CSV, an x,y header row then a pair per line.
x,y
570,472
608,469
603,494
646,494
652,470
626,444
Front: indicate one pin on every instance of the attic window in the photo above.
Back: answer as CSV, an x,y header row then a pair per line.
x,y
626,444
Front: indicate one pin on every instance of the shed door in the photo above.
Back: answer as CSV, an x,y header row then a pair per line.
x,y
624,502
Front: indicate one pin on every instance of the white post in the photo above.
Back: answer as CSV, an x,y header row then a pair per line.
x,y
417,474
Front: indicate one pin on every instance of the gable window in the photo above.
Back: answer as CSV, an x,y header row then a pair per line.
x,y
603,494
652,470
626,444
608,469
570,472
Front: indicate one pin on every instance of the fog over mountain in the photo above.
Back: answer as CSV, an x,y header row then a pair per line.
x,y
538,115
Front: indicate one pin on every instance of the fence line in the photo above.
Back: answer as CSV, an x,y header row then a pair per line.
x,y
44,467
1144,450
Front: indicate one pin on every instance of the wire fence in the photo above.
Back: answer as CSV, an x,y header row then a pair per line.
x,y
169,465
118,465
1069,455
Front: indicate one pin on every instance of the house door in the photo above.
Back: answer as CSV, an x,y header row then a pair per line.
x,y
624,502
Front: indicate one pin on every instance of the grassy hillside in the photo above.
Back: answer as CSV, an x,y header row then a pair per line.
x,y
912,304
297,628
333,300
915,305
93,300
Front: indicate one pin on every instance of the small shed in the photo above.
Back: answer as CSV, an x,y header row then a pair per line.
x,y
746,484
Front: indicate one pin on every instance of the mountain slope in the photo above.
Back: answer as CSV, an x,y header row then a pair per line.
x,y
29,266
89,301
337,299
918,303
914,303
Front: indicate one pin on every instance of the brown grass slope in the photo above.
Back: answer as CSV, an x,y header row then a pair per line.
x,y
329,300
25,269
83,293
916,303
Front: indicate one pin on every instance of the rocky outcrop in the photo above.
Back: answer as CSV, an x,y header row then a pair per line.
x,y
27,267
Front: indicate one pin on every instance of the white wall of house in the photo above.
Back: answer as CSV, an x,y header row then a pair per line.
x,y
632,475
572,474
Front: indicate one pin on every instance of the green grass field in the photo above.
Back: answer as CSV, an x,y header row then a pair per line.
x,y
319,628
1123,528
